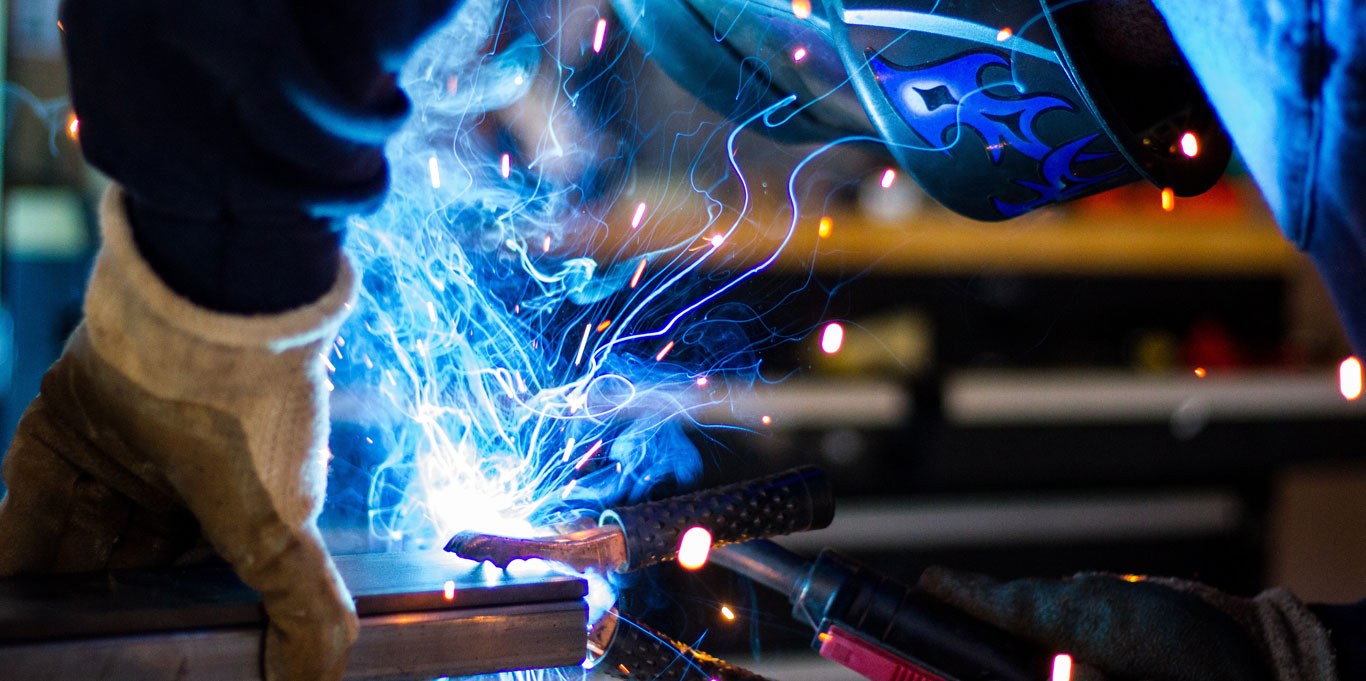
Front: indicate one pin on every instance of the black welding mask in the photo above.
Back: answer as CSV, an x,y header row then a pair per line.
x,y
995,107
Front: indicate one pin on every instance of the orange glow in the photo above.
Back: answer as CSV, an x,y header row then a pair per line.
x,y
1190,145
604,325
664,352
766,420
801,8
640,269
448,590
73,126
1062,668
624,670
1199,372
727,613
824,637
1168,200
1349,378
1133,578
826,225
1004,34
694,548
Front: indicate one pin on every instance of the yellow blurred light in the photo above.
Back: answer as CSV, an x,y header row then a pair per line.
x,y
826,225
727,613
1062,668
694,548
832,338
766,420
1190,145
73,126
1133,578
1003,34
1168,199
448,590
801,8
1350,378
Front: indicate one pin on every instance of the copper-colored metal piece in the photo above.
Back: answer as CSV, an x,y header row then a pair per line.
x,y
601,548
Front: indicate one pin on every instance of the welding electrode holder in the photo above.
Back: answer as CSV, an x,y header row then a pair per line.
x,y
792,501
879,627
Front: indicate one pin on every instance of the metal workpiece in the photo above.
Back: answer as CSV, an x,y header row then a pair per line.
x,y
422,615
601,548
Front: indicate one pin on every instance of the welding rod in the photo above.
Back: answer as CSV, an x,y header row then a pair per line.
x,y
881,628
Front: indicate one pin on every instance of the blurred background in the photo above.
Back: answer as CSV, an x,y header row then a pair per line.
x,y
1119,384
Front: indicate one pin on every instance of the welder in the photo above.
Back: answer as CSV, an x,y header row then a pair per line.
x,y
188,412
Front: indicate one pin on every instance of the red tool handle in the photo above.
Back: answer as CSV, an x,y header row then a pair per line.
x,y
869,658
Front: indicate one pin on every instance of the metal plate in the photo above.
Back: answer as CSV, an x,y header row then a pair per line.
x,y
202,623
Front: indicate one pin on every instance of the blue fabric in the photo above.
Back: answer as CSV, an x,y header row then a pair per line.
x,y
1288,79
243,132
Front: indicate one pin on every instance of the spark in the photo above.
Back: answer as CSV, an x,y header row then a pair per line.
x,y
799,54
448,590
1004,34
588,456
694,548
505,167
664,351
1200,372
604,325
568,488
435,170
73,126
701,381
431,311
640,269
825,227
766,420
568,450
1133,578
599,34
717,240
578,357
1062,668
832,338
727,613
545,244
1190,145
1168,199
801,8
639,215
888,178
1350,378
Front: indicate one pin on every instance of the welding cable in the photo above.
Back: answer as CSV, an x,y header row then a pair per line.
x,y
636,652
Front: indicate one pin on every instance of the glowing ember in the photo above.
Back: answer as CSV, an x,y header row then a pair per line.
x,y
1190,145
1350,378
599,34
639,215
1199,372
694,548
505,167
727,613
448,590
1062,668
888,178
801,8
604,325
664,352
826,225
766,420
1003,34
1168,199
717,240
73,126
832,338
799,54
701,381
640,269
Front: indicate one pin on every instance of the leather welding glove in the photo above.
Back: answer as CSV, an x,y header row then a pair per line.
x,y
1155,629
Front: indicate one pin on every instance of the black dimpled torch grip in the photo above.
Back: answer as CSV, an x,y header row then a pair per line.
x,y
639,653
793,501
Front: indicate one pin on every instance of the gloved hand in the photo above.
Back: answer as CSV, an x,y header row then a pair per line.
x,y
1155,629
243,132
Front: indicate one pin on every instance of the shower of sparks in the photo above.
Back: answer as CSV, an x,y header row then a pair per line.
x,y
888,178
694,548
1350,378
1190,145
599,34
832,338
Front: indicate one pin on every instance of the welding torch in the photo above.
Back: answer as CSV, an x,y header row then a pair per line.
x,y
863,620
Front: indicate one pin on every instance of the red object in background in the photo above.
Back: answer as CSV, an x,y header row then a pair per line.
x,y
869,659
1227,200
1209,345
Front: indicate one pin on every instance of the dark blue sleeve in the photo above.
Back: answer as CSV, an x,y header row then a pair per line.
x,y
1346,625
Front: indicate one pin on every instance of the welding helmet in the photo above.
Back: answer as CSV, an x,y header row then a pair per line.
x,y
994,107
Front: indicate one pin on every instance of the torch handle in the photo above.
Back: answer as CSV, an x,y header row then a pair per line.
x,y
793,501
